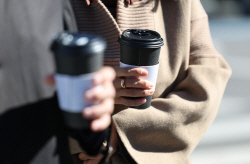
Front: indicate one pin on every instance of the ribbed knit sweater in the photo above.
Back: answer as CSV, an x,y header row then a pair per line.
x,y
96,18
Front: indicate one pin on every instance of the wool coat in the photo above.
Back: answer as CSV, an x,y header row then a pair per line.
x,y
191,80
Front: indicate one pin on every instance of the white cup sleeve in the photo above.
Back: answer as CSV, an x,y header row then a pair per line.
x,y
152,72
70,91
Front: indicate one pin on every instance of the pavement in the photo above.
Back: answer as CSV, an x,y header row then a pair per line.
x,y
227,141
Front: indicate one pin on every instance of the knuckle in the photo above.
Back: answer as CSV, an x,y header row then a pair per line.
x,y
135,82
138,71
145,92
144,83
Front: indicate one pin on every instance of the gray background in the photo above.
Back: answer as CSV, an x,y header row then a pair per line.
x,y
227,141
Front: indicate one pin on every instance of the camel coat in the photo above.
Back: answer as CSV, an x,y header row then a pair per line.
x,y
191,80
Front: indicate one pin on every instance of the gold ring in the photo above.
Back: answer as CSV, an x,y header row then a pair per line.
x,y
123,83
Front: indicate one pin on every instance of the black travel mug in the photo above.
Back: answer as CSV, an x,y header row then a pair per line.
x,y
77,56
141,48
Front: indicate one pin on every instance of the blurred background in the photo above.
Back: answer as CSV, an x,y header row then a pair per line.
x,y
227,141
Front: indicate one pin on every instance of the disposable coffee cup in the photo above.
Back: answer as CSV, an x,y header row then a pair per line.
x,y
141,48
77,56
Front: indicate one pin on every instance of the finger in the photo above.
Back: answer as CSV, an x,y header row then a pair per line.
x,y
132,1
127,1
50,80
130,102
83,156
134,92
105,74
90,95
101,92
96,111
96,160
88,2
101,124
123,72
133,83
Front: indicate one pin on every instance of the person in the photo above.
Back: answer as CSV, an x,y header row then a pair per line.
x,y
31,127
191,80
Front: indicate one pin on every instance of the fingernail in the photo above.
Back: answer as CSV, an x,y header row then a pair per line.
x,y
151,85
144,71
87,111
151,92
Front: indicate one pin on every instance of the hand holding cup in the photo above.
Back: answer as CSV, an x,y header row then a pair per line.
x,y
139,49
79,72
103,93
134,89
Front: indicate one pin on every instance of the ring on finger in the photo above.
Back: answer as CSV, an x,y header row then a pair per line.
x,y
123,85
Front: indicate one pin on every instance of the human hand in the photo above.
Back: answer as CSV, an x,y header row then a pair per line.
x,y
127,1
95,160
103,93
88,2
134,86
90,159
131,1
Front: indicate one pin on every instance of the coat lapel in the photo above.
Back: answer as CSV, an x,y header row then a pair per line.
x,y
97,19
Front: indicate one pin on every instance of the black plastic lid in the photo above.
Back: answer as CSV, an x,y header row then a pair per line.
x,y
66,43
141,38
78,53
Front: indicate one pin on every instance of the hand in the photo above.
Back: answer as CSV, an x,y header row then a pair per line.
x,y
103,92
88,2
135,87
89,159
127,1
131,1
95,160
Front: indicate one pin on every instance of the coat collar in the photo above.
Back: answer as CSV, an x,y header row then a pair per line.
x,y
97,19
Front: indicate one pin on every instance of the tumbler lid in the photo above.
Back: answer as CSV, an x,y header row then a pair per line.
x,y
83,43
141,38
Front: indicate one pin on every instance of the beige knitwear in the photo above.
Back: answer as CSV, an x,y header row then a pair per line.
x,y
191,80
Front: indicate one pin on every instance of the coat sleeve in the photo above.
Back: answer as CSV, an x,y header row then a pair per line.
x,y
169,130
